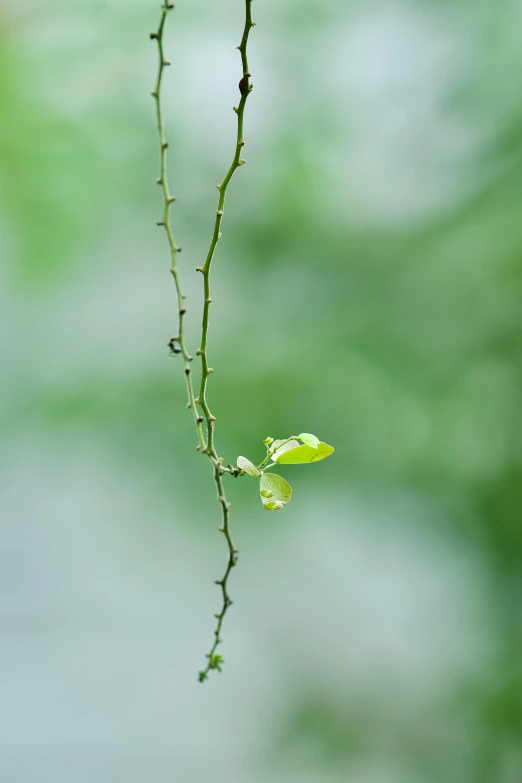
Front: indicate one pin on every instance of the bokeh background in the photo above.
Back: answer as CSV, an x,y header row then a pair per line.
x,y
366,289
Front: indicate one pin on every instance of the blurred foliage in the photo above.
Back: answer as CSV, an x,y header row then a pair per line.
x,y
397,338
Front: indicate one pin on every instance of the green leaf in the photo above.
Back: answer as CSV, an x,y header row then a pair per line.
x,y
280,446
275,491
309,440
244,464
300,455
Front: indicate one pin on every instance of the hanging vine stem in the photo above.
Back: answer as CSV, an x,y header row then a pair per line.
x,y
205,445
245,89
177,344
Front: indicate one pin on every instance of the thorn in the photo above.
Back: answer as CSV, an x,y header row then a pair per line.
x,y
235,109
241,162
182,311
242,143
164,145
210,370
219,213
189,405
178,250
199,269
218,582
187,370
208,301
154,94
160,223
198,448
213,418
220,235
198,353
153,36
199,419
218,187
159,181
166,62
171,200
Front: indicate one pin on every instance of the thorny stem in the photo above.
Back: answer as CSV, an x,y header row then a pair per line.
x,y
245,89
168,200
205,445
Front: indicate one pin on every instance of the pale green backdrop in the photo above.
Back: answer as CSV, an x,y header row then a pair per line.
x,y
366,289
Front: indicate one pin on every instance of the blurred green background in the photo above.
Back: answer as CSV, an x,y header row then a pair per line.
x,y
367,289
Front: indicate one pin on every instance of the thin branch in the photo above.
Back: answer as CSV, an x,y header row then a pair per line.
x,y
177,344
165,221
245,88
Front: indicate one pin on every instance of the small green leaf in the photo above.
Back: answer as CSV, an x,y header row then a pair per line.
x,y
275,491
280,446
248,467
215,661
309,440
300,455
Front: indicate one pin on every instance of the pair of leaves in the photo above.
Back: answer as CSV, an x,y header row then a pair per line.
x,y
301,449
291,452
